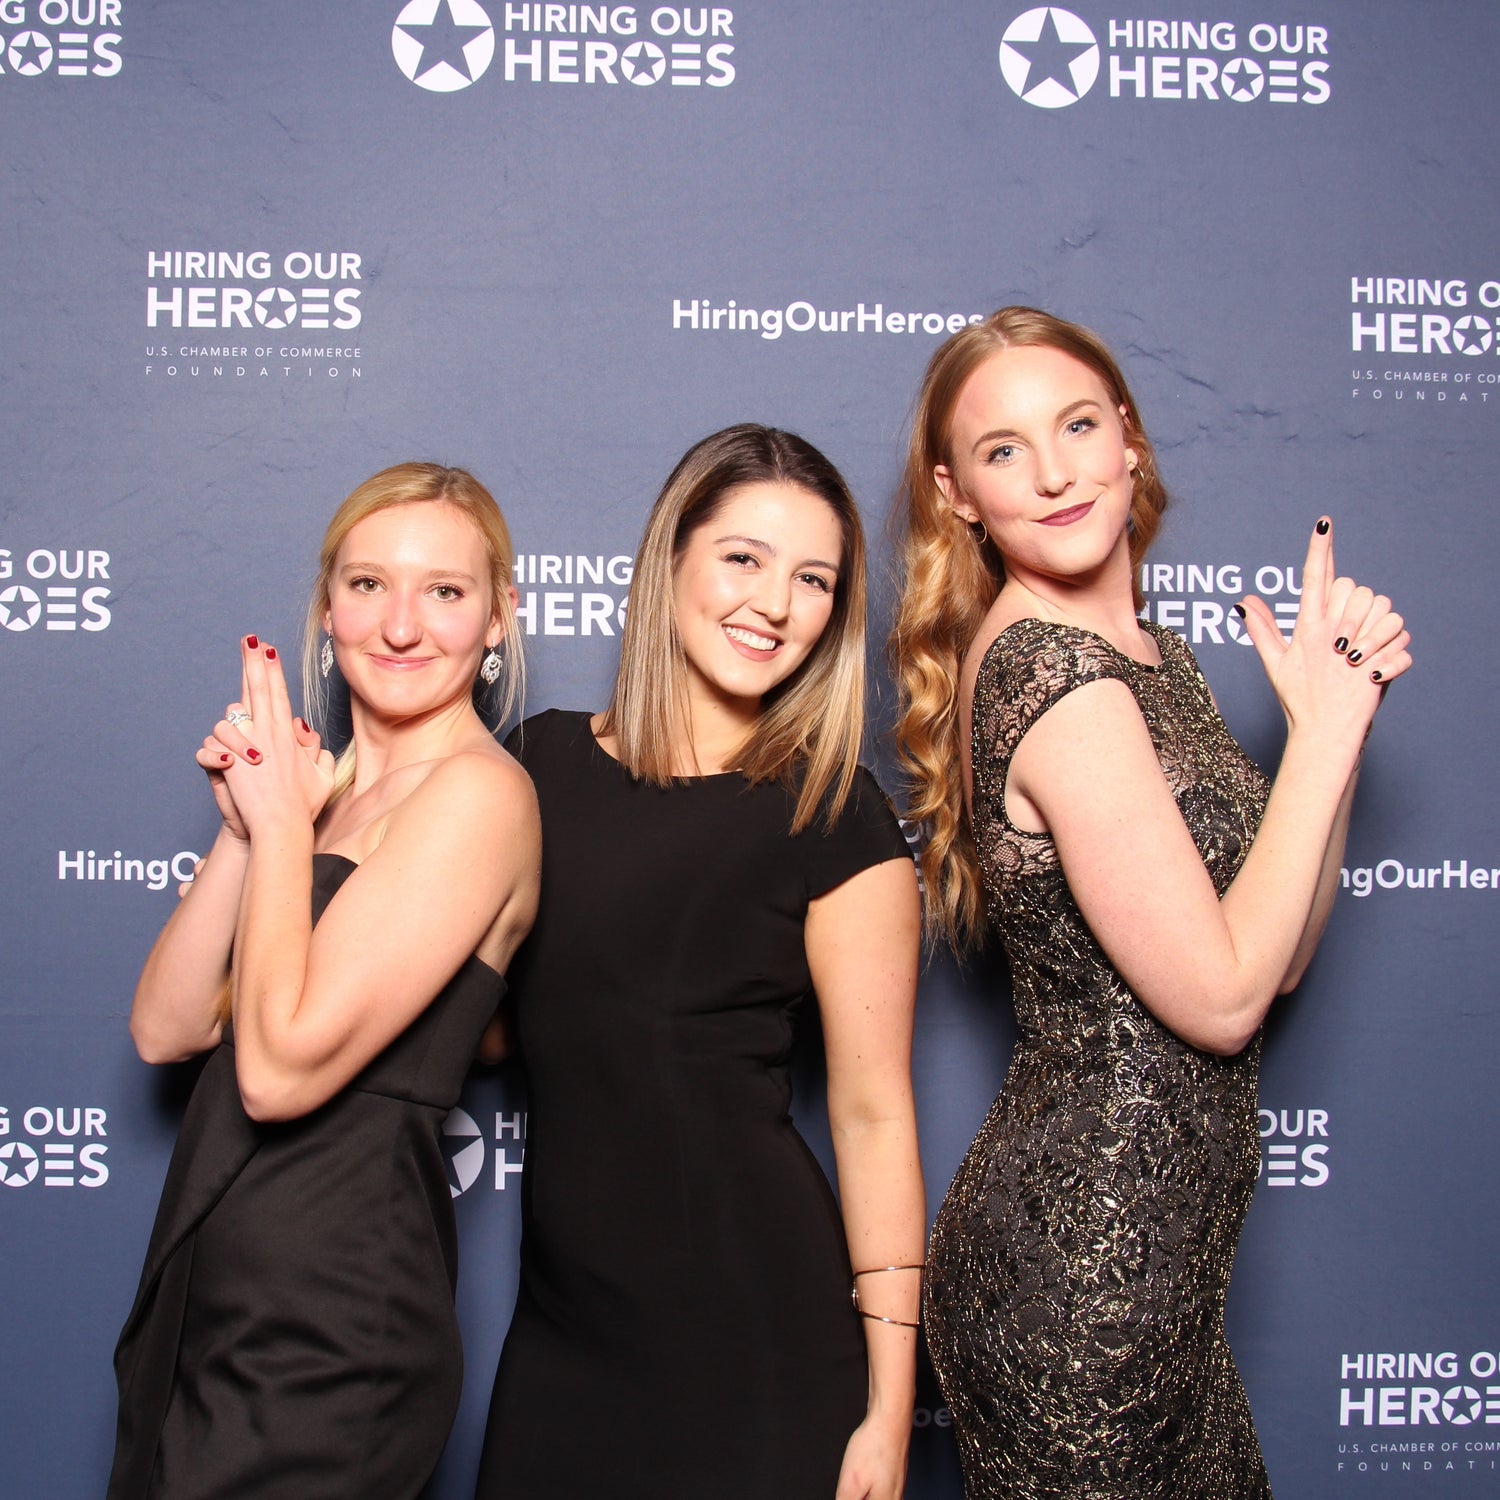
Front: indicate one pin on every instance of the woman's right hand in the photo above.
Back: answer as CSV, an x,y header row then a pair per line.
x,y
1347,646
232,739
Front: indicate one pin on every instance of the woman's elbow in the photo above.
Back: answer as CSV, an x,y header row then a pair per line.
x,y
1228,1043
271,1095
149,1047
1228,1035
1292,978
156,1046
272,1106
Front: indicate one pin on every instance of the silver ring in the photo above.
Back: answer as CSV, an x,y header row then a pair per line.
x,y
235,717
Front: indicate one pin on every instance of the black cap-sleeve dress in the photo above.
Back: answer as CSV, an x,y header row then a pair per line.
x,y
683,1325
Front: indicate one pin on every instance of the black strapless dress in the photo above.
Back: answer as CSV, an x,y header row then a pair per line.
x,y
294,1335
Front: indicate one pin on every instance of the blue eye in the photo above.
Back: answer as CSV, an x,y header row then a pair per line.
x,y
1081,424
1002,454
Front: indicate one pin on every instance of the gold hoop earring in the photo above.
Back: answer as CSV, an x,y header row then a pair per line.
x,y
982,535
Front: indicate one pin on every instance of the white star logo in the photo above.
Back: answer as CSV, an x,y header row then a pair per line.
x,y
18,1164
275,307
463,1146
20,609
1049,57
30,53
443,45
1461,1405
1243,79
1472,335
643,62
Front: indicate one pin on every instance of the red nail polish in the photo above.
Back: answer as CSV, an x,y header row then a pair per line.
x,y
226,759
270,653
303,725
252,755
251,642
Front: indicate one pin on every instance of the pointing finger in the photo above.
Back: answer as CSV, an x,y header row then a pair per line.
x,y
259,701
276,689
247,644
1317,570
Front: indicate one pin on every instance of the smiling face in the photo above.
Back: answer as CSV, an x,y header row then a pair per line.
x,y
753,591
410,608
1039,455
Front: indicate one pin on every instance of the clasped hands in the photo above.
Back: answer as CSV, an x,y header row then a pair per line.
x,y
263,762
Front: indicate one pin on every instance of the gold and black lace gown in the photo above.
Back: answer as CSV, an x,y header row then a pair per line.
x,y
1078,1266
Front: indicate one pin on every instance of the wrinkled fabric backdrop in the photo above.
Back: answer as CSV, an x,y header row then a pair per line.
x,y
253,253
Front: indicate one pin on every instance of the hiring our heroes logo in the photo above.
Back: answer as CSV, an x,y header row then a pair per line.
x,y
59,38
1051,58
445,46
64,589
54,1147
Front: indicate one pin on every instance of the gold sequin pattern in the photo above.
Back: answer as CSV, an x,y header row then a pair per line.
x,y
1079,1264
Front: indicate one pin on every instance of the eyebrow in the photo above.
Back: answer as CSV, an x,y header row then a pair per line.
x,y
1062,416
355,566
770,551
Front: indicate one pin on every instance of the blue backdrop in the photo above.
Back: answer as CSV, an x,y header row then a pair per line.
x,y
252,253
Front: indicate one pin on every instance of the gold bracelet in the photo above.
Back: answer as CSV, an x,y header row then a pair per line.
x,y
920,1265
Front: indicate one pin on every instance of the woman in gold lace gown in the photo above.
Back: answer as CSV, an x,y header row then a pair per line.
x,y
1153,891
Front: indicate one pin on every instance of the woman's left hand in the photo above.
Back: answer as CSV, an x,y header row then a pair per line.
x,y
874,1466
280,769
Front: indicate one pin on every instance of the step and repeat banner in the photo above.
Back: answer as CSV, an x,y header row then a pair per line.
x,y
254,252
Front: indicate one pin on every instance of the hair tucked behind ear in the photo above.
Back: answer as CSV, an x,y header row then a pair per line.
x,y
950,579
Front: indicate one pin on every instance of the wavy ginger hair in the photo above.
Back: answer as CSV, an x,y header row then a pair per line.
x,y
950,580
812,725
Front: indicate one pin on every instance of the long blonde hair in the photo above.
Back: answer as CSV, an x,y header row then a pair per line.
x,y
950,580
414,484
813,723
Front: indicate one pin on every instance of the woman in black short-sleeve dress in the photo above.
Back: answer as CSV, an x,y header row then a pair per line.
x,y
712,858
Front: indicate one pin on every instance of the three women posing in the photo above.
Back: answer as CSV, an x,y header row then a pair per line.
x,y
713,855
1154,892
294,1333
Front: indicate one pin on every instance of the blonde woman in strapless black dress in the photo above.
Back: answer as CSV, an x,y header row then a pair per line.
x,y
294,1336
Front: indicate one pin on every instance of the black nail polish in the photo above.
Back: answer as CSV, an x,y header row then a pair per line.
x,y
1341,645
1377,675
1323,527
1355,657
1239,609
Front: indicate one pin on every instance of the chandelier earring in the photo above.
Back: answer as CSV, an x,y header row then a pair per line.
x,y
489,668
325,656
